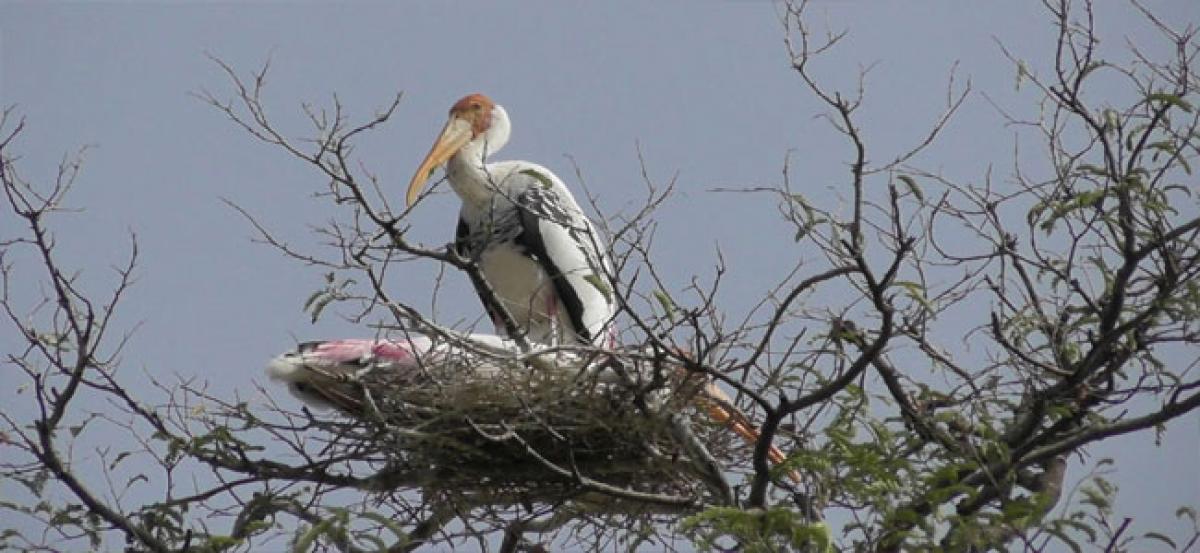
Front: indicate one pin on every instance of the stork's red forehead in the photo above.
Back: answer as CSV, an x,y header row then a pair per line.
x,y
477,109
472,100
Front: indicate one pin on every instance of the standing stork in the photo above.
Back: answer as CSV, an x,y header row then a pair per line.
x,y
540,259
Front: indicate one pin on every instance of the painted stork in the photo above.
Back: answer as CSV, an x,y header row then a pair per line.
x,y
335,373
541,258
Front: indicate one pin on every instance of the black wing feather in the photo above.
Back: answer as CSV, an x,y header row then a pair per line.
x,y
462,236
538,206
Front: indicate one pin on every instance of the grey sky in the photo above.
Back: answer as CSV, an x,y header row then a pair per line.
x,y
703,87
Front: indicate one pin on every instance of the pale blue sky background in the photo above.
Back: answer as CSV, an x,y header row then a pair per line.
x,y
703,87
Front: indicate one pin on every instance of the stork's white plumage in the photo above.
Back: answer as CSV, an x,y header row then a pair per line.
x,y
343,374
537,252
541,258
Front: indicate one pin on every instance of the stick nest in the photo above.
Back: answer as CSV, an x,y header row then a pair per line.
x,y
538,429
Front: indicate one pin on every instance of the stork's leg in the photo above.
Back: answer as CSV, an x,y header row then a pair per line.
x,y
702,460
552,308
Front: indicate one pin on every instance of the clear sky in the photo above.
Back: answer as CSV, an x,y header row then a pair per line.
x,y
703,88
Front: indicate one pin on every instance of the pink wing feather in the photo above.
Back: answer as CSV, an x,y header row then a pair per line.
x,y
330,373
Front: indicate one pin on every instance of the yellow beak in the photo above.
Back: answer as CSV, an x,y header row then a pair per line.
x,y
720,409
456,134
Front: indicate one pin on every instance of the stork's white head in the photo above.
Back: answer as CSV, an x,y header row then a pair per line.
x,y
477,126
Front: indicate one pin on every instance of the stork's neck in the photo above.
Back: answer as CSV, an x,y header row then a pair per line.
x,y
468,174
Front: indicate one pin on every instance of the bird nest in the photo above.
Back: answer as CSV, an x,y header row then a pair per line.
x,y
552,426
